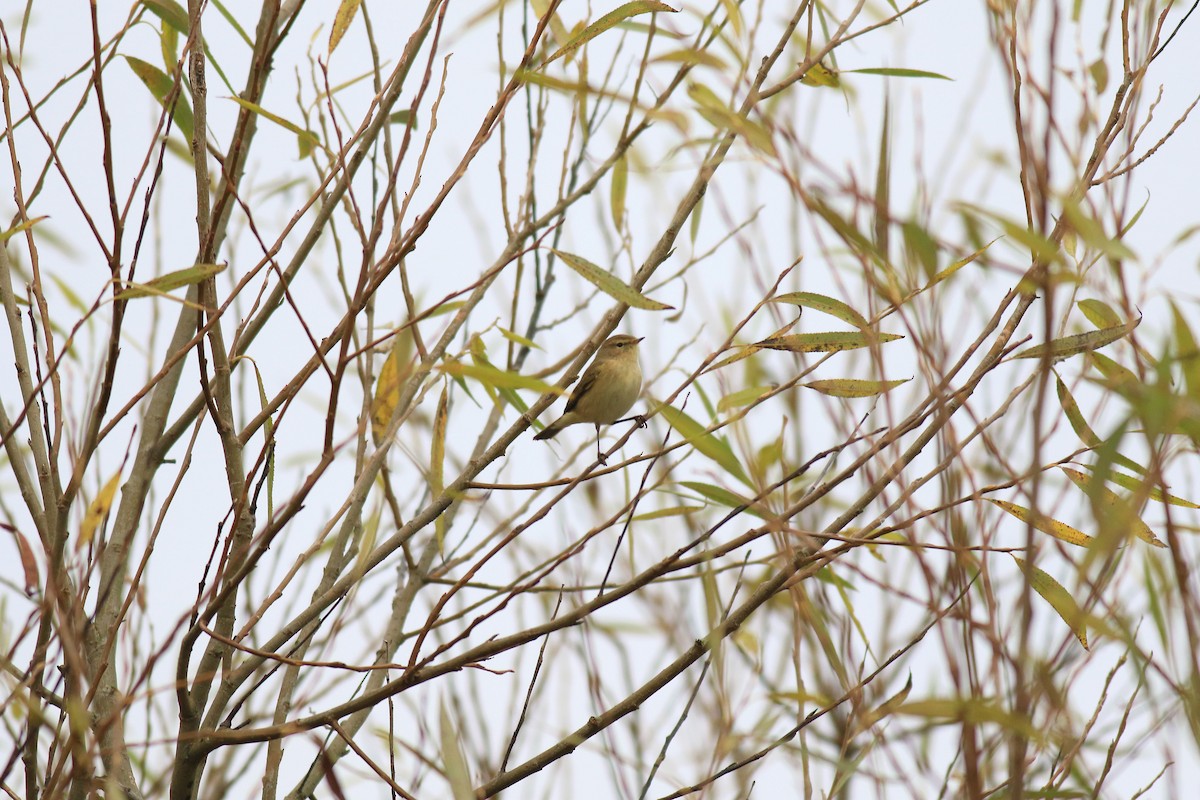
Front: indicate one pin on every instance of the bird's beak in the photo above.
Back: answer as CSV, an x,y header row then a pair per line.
x,y
640,339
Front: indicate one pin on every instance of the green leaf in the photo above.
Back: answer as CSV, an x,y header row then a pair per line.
x,y
20,227
1100,313
692,57
722,116
1059,598
1091,232
722,496
620,183
609,20
160,85
306,139
828,342
957,265
497,378
1187,354
169,12
673,511
820,75
403,117
708,444
1136,484
852,387
826,305
454,761
742,397
437,464
896,72
610,284
172,280
1067,346
1059,530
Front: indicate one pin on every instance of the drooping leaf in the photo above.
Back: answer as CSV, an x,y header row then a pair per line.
x,y
393,375
1100,313
169,12
708,444
437,459
1058,597
160,85
306,140
722,496
454,760
98,510
610,284
742,397
20,227
820,75
1116,509
347,10
722,116
616,197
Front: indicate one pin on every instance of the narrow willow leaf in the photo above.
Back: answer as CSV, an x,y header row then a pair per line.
x,y
1187,354
160,85
722,496
828,342
826,305
557,29
347,10
403,117
1112,505
1083,430
609,20
1117,376
957,265
1059,599
694,222
610,284
820,75
1100,313
1059,530
20,227
513,336
742,397
692,57
169,12
853,387
708,444
437,461
497,378
742,352
170,281
976,710
1067,346
896,72
616,198
673,511
1136,484
1075,416
97,511
306,139
393,375
1091,232
454,761
722,116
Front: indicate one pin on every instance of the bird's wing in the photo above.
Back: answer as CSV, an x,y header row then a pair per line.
x,y
585,383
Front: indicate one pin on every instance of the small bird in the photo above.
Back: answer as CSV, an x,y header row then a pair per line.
x,y
609,387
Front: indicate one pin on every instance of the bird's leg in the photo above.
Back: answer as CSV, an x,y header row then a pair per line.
x,y
638,418
599,456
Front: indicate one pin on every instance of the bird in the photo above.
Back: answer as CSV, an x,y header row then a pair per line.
x,y
609,388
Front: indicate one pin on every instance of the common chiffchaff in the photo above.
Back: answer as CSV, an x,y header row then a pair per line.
x,y
609,387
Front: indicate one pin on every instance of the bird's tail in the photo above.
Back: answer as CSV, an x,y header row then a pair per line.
x,y
550,431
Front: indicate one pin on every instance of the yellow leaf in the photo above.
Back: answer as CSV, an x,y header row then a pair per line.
x,y
610,284
1059,530
1059,599
392,376
852,387
98,510
346,12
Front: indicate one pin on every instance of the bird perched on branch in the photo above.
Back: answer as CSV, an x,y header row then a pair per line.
x,y
609,388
